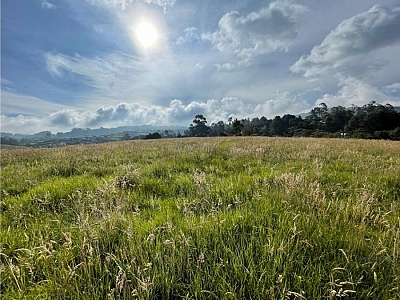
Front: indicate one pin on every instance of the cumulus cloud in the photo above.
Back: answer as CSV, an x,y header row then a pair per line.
x,y
283,103
22,124
176,113
360,34
269,29
357,92
124,113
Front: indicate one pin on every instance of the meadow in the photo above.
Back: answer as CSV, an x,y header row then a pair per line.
x,y
202,218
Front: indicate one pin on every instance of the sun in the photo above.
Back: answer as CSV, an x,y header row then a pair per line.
x,y
146,34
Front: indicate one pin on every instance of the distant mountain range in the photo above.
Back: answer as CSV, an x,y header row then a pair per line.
x,y
87,132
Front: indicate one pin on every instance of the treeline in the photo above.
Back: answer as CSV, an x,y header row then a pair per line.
x,y
371,121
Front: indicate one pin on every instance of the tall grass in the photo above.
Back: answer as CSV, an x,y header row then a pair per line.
x,y
213,218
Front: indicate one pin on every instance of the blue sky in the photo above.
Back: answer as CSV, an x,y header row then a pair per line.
x,y
93,63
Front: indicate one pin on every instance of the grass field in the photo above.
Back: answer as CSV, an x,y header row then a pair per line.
x,y
212,218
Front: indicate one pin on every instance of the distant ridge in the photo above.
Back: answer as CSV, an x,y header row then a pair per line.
x,y
87,132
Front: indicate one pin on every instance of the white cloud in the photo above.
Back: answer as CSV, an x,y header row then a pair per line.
x,y
199,66
394,87
114,75
100,71
117,77
176,113
225,66
360,34
124,4
283,103
161,3
47,5
124,113
15,103
7,84
190,34
120,4
269,29
22,124
354,91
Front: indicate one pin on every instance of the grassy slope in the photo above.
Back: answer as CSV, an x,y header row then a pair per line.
x,y
214,218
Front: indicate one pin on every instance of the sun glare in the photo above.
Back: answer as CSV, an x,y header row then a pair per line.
x,y
146,34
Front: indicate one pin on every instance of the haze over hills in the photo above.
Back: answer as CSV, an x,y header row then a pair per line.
x,y
88,132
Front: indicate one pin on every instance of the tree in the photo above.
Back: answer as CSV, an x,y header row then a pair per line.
x,y
153,136
373,121
237,127
200,128
373,117
217,129
246,127
317,116
337,119
290,124
126,136
277,126
265,126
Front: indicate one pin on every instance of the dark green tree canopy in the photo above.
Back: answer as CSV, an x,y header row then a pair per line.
x,y
372,120
200,128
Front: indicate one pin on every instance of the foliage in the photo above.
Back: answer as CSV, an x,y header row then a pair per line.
x,y
153,136
200,129
372,121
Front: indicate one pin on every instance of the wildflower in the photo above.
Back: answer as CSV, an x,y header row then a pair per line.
x,y
151,237
280,279
201,257
169,225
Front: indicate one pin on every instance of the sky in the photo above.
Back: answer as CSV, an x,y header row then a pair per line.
x,y
109,63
